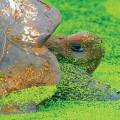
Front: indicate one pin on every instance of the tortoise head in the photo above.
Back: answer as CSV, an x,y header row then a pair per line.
x,y
83,49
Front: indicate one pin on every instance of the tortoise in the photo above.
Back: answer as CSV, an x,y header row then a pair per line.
x,y
26,27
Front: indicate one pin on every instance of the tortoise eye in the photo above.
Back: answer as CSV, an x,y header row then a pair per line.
x,y
77,48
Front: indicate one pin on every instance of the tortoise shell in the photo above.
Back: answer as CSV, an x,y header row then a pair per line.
x,y
26,22
24,27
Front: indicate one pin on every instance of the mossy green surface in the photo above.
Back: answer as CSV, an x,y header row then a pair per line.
x,y
113,7
26,96
94,16
72,110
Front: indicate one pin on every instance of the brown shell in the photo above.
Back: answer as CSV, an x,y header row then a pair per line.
x,y
28,21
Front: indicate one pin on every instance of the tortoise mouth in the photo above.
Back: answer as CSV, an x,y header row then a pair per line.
x,y
89,66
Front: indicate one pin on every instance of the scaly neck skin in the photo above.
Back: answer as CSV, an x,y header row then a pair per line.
x,y
82,49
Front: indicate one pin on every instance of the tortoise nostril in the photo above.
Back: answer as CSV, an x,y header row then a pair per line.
x,y
77,48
